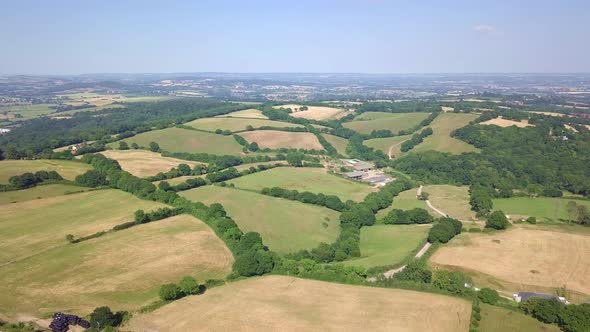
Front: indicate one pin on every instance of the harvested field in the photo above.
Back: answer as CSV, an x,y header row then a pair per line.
x,y
144,163
389,145
447,108
313,112
122,270
285,226
274,139
497,319
524,257
66,168
369,121
507,123
543,208
280,303
236,124
38,192
441,139
250,113
338,143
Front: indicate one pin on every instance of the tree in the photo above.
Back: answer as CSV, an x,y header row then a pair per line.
x,y
165,186
189,286
70,238
184,169
441,232
123,145
154,147
254,262
358,215
397,216
134,146
488,295
102,317
23,181
419,216
531,220
249,241
92,179
451,281
141,217
575,318
253,147
295,159
545,310
170,292
416,271
497,220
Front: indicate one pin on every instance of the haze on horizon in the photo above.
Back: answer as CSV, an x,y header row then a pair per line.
x,y
362,36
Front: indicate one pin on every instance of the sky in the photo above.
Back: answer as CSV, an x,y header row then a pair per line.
x,y
339,36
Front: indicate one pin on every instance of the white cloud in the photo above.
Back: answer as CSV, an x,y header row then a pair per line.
x,y
483,28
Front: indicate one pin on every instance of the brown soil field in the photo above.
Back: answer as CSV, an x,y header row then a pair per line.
x,y
280,303
447,108
524,257
250,113
144,163
313,112
506,123
275,139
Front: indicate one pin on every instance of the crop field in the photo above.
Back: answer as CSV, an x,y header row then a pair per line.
x,y
250,113
497,319
285,226
506,123
389,244
543,208
369,121
144,163
525,257
274,139
38,192
315,180
406,200
185,140
441,140
236,124
280,303
66,168
313,112
391,146
453,200
338,143
33,226
123,270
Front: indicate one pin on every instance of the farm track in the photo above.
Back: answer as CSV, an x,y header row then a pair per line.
x,y
393,146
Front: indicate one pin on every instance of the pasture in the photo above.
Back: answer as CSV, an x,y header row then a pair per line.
x,y
30,227
280,303
38,192
315,180
313,112
66,168
185,140
144,163
543,208
389,244
391,146
236,124
406,200
285,226
250,113
274,139
524,257
24,112
497,319
453,200
441,139
500,122
123,270
369,121
338,143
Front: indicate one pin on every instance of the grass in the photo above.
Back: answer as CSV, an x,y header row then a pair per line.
x,y
184,140
406,200
315,180
441,139
122,270
38,192
236,124
543,208
338,143
452,200
388,143
388,244
66,168
369,121
281,303
497,319
30,227
26,111
144,163
285,226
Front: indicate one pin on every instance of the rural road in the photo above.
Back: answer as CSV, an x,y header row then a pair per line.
x,y
390,273
389,153
419,192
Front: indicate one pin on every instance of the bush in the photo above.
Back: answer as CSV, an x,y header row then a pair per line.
x,y
254,262
189,286
488,295
497,220
451,281
102,317
416,271
92,179
531,220
170,292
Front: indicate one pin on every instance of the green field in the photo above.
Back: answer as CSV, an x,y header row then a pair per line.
x,y
184,140
38,192
31,227
315,180
543,208
441,140
122,270
235,124
385,144
285,226
68,169
388,244
406,200
369,121
496,319
26,111
452,200
338,143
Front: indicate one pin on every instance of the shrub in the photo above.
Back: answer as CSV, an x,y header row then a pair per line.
x,y
92,179
416,271
531,220
189,286
170,292
102,317
497,220
488,295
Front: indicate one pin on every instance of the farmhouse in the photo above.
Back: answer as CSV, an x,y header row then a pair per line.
x,y
525,296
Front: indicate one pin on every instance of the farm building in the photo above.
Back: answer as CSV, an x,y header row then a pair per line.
x,y
525,296
378,180
358,165
356,175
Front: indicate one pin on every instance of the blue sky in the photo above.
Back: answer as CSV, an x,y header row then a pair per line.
x,y
368,36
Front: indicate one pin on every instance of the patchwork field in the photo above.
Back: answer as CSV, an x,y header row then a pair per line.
x,y
406,200
66,168
123,270
369,121
543,208
274,139
391,146
185,140
497,319
31,227
236,124
388,244
24,112
285,226
250,113
313,112
280,303
144,163
338,143
38,192
452,200
441,140
506,123
524,257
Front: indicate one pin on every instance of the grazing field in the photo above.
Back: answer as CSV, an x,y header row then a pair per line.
x,y
285,226
497,319
280,303
38,192
406,200
66,168
391,146
123,270
144,163
452,200
313,112
315,180
506,123
524,257
24,112
543,208
369,121
338,143
236,124
185,140
31,227
441,139
274,139
250,113
389,244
